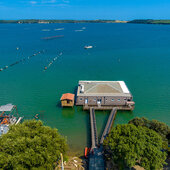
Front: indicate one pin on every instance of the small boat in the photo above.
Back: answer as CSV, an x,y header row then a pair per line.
x,y
86,152
59,29
79,30
88,47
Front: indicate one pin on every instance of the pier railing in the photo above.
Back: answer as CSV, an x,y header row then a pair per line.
x,y
109,124
94,136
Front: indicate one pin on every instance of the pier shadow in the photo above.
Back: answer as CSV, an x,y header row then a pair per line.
x,y
68,112
75,92
58,104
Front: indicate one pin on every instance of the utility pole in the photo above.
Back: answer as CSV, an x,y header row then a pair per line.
x,y
62,165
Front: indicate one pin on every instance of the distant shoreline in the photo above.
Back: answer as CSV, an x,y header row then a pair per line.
x,y
45,21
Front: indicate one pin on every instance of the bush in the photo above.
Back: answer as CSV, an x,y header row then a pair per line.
x,y
31,145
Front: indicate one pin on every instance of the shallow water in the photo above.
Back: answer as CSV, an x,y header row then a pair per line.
x,y
137,54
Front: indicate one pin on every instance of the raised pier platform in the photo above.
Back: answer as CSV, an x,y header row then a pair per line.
x,y
109,124
126,108
94,136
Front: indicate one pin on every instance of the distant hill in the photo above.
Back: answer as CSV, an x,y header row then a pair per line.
x,y
149,21
40,21
44,21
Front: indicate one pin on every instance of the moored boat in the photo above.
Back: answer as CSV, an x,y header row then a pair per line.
x,y
88,46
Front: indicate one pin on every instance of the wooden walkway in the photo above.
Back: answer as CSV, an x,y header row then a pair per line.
x,y
109,124
94,136
96,158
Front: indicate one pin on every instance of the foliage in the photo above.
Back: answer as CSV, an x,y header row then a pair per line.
x,y
149,21
31,145
33,21
130,145
159,127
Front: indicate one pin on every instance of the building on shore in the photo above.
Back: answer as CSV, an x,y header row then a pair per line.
x,y
67,100
104,94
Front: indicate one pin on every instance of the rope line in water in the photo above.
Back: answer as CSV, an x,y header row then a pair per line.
x,y
23,59
52,61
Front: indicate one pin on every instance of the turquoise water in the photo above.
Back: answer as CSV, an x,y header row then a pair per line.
x,y
137,54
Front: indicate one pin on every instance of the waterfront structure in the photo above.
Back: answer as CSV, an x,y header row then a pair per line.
x,y
8,116
67,99
104,94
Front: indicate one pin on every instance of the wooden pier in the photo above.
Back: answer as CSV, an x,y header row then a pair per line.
x,y
126,108
94,136
96,158
109,124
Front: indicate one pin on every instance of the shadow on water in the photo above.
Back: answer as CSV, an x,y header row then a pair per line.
x,y
75,92
68,112
58,104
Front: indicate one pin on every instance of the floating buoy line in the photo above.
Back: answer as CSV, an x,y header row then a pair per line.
x,y
52,61
19,61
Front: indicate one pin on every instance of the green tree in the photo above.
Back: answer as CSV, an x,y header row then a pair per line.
x,y
128,145
31,145
161,128
155,125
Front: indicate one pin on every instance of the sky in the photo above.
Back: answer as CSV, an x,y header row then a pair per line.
x,y
85,9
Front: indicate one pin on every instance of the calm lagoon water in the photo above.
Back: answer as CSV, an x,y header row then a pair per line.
x,y
137,54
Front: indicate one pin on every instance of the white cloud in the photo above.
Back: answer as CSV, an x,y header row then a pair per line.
x,y
48,2
33,2
52,3
62,5
66,1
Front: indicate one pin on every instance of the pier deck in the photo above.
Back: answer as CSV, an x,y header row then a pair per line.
x,y
109,124
94,136
96,158
128,108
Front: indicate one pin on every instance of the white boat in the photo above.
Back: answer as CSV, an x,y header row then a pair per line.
x,y
88,46
58,29
79,30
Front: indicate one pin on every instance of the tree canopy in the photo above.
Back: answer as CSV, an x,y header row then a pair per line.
x,y
161,128
31,145
155,125
130,145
